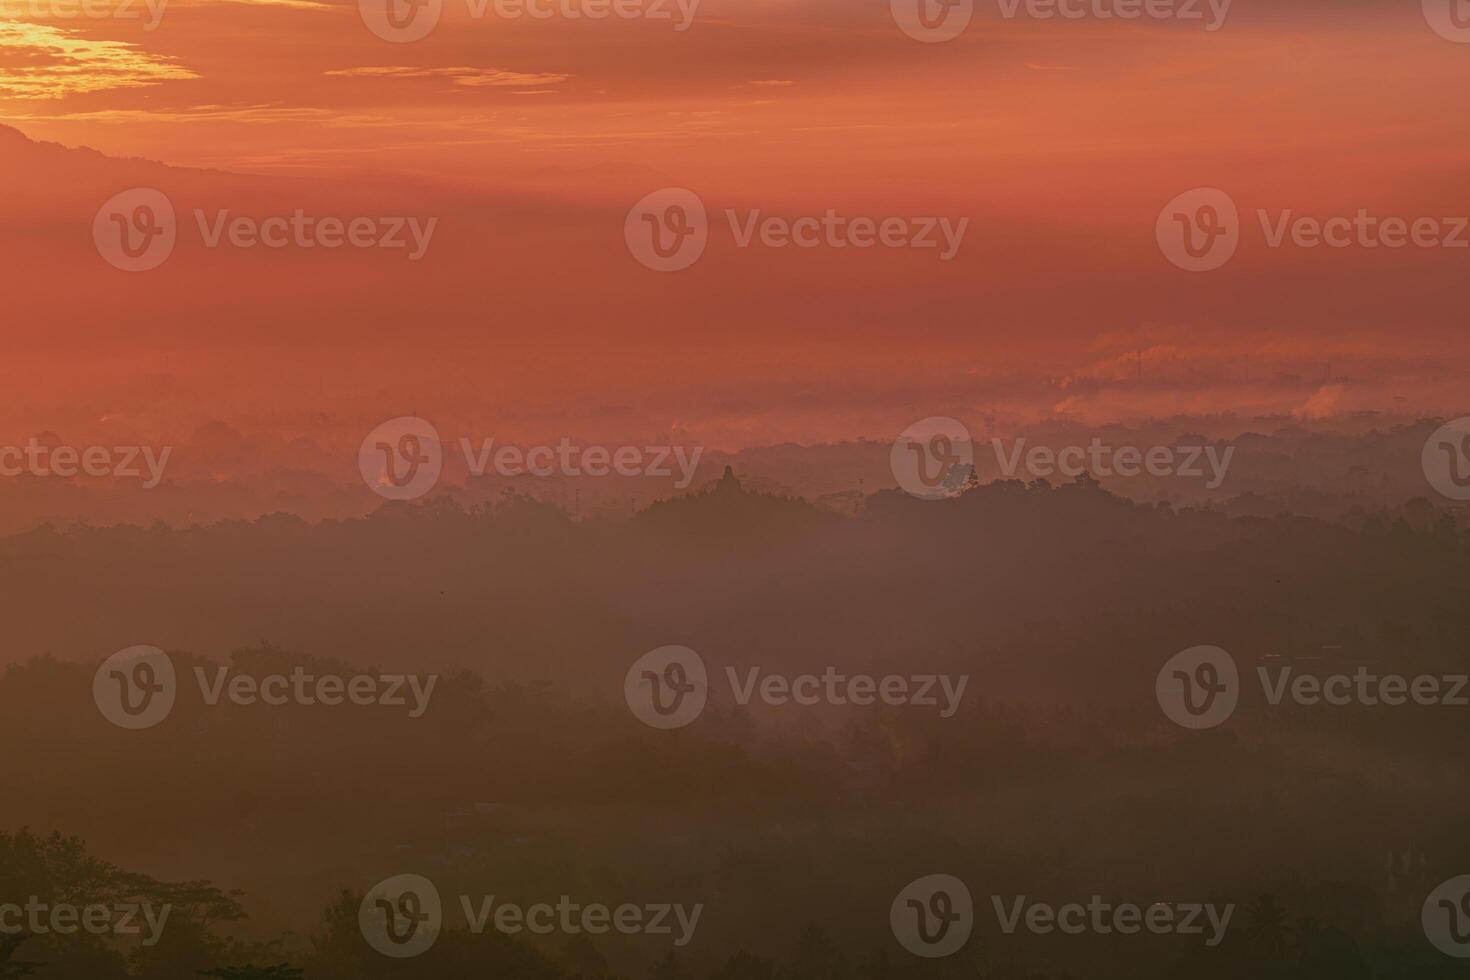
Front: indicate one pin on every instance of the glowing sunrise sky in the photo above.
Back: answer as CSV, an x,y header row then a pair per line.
x,y
529,140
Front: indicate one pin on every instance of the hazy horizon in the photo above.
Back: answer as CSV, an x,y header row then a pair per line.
x,y
734,490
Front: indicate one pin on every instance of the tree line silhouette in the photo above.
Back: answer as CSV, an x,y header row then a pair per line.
x,y
528,777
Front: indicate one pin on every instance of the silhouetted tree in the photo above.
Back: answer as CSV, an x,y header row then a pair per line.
x,y
280,971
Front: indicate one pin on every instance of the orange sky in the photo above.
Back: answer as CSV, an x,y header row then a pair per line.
x,y
753,92
528,140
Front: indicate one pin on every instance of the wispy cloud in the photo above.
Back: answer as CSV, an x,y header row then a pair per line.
x,y
41,62
295,4
466,77
203,113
